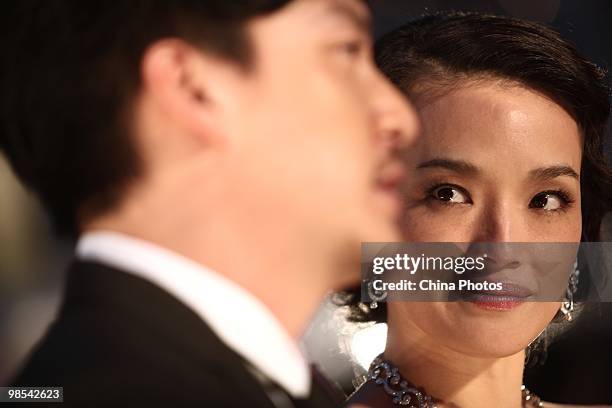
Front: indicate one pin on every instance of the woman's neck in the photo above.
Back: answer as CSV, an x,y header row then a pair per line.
x,y
454,378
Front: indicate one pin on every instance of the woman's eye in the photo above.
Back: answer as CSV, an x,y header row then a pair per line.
x,y
450,194
547,201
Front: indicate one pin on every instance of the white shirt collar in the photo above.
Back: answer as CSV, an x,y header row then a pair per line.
x,y
241,320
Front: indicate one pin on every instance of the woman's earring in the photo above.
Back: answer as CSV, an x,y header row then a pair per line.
x,y
567,306
375,295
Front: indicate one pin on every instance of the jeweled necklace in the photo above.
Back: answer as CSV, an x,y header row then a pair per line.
x,y
404,393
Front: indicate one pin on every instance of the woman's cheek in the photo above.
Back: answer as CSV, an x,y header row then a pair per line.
x,y
565,227
426,225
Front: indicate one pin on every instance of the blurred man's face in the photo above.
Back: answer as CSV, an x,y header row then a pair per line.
x,y
315,127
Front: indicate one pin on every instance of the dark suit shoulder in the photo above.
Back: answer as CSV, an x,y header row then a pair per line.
x,y
121,341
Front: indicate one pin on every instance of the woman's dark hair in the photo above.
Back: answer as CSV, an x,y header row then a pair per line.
x,y
436,52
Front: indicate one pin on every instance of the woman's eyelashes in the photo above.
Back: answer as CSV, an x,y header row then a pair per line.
x,y
551,201
448,194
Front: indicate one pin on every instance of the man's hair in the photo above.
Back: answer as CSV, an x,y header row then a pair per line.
x,y
70,70
437,52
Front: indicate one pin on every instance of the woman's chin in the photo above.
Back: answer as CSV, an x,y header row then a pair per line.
x,y
493,330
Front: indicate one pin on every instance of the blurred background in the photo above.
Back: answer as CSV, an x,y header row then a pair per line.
x,y
578,368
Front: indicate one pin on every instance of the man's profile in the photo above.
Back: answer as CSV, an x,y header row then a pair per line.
x,y
219,164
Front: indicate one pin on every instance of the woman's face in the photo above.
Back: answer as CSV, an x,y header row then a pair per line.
x,y
497,163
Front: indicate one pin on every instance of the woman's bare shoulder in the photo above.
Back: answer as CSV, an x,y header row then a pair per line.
x,y
369,395
551,405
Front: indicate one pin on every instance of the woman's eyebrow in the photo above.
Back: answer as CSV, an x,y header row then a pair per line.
x,y
458,166
551,172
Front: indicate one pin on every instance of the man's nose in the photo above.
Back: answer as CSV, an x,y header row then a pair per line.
x,y
398,122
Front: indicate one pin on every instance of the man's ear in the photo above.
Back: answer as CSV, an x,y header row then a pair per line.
x,y
180,80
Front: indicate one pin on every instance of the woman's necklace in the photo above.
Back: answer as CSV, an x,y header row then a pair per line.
x,y
403,393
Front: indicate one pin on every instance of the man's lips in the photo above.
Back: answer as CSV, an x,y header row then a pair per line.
x,y
391,176
389,182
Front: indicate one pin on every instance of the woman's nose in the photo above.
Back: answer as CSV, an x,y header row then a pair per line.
x,y
500,223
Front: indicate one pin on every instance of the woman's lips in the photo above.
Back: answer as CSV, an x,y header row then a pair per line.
x,y
489,302
510,296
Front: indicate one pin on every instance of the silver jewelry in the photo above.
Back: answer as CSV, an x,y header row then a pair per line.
x,y
529,399
567,306
404,393
375,295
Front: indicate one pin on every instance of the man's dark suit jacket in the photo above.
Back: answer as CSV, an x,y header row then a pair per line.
x,y
122,341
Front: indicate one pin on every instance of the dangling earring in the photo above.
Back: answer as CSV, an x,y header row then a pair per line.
x,y
567,306
375,295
